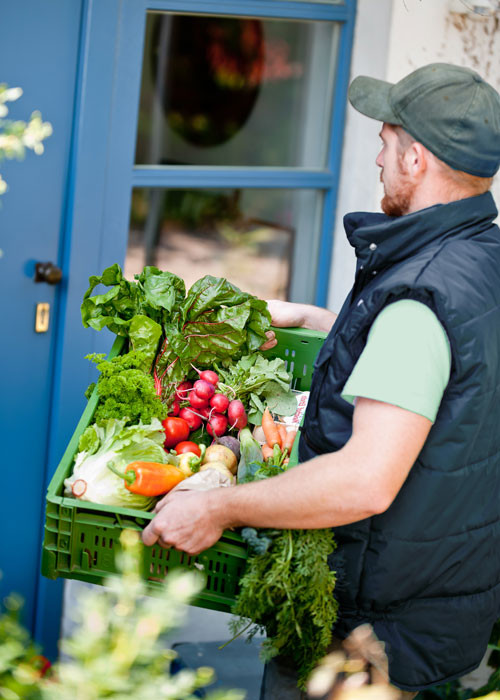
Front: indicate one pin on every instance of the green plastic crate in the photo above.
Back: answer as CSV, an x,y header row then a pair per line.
x,y
82,538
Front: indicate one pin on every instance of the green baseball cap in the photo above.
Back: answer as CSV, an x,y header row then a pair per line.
x,y
451,110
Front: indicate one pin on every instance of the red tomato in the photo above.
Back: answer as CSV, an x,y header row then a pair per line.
x,y
187,446
176,430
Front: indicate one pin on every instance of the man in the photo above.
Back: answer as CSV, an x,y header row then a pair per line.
x,y
401,443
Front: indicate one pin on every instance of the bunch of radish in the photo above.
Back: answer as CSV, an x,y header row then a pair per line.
x,y
201,401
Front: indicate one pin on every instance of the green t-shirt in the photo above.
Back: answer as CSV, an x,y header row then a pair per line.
x,y
406,361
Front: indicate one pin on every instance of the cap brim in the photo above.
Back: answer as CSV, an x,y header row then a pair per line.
x,y
371,97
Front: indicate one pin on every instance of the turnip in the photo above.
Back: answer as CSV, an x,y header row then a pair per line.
x,y
196,401
231,442
220,402
216,424
236,414
204,389
194,421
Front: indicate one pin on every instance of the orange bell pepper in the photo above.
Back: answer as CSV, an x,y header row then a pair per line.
x,y
149,478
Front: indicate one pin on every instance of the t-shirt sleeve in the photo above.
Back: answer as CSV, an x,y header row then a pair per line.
x,y
406,361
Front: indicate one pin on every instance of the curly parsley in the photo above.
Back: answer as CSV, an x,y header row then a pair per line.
x,y
126,389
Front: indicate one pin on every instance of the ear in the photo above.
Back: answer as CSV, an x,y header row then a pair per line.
x,y
416,159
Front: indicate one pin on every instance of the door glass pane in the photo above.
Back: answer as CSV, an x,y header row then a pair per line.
x,y
235,91
254,238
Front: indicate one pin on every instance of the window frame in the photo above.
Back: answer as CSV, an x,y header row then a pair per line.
x,y
124,123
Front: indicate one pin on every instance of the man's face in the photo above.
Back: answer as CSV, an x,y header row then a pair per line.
x,y
398,185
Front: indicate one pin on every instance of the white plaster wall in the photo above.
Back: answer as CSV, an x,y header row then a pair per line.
x,y
358,188
391,40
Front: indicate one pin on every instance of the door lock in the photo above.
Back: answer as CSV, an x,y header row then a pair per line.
x,y
48,272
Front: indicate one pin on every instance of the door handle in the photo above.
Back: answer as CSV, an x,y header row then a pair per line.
x,y
48,272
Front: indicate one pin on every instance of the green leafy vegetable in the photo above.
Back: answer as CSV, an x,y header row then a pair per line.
x,y
126,390
260,382
114,441
288,588
213,322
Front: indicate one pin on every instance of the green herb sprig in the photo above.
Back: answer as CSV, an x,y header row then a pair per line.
x,y
288,592
288,587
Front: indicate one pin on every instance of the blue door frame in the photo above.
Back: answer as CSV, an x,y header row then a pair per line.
x,y
102,175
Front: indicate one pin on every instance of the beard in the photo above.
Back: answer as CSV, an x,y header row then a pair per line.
x,y
397,202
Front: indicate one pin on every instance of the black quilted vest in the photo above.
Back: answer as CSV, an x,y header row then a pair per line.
x,y
426,573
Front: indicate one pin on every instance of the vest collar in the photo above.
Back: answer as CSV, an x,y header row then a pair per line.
x,y
380,240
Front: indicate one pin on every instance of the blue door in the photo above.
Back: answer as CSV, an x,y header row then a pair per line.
x,y
39,45
108,185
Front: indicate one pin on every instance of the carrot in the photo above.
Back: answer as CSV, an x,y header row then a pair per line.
x,y
282,432
267,451
289,440
270,429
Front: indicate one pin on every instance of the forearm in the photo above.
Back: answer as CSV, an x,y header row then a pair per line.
x,y
330,490
349,485
287,314
315,318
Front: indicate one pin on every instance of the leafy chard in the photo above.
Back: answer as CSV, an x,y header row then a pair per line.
x,y
214,321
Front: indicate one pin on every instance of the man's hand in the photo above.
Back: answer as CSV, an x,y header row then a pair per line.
x,y
285,314
184,521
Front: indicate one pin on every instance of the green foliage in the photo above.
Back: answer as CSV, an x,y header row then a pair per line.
x,y
288,588
118,648
260,382
212,322
289,592
19,658
126,390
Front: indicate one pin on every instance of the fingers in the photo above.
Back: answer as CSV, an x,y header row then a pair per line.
x,y
151,534
271,341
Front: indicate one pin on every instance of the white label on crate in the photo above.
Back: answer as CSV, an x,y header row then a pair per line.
x,y
296,419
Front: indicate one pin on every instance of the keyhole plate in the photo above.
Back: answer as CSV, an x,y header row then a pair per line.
x,y
42,317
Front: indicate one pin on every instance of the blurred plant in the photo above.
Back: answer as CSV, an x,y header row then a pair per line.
x,y
15,135
358,670
118,648
21,666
